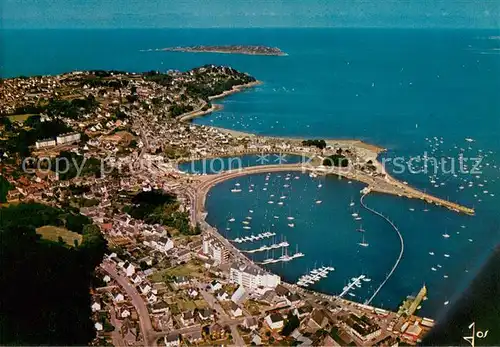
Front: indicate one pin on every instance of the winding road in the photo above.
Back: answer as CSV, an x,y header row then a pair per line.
x,y
137,301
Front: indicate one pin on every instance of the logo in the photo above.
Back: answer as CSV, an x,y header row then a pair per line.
x,y
479,334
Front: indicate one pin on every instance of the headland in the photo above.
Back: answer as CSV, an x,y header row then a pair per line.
x,y
137,118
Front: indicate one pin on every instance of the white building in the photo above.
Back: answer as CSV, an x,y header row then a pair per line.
x,y
274,321
163,244
68,138
45,143
215,250
252,276
96,307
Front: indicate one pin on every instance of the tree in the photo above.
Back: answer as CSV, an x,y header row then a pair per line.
x,y
290,325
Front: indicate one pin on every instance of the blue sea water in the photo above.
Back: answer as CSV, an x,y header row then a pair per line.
x,y
410,91
218,165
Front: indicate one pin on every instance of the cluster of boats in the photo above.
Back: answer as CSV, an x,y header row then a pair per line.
x,y
314,276
355,282
257,237
268,248
285,257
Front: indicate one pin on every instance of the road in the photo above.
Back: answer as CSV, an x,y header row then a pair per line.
x,y
137,301
224,318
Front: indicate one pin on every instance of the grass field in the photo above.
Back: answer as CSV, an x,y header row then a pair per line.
x,y
20,118
52,233
188,269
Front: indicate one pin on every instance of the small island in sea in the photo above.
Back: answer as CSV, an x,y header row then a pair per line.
x,y
230,49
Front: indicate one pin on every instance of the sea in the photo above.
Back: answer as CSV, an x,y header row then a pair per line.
x,y
419,93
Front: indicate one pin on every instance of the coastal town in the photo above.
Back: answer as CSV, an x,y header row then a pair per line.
x,y
109,144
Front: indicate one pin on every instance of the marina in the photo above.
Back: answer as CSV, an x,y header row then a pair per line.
x,y
354,283
252,238
314,276
268,248
285,257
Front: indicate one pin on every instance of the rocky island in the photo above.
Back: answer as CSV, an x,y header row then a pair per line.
x,y
230,49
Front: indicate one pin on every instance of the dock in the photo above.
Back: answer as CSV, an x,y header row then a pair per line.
x,y
268,248
351,285
253,238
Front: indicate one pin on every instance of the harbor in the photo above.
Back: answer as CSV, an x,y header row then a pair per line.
x,y
354,283
252,238
268,248
314,276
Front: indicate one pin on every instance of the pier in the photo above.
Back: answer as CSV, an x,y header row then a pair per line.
x,y
268,248
376,183
398,260
351,285
253,238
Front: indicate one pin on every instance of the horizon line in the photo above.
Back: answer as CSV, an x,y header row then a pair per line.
x,y
254,27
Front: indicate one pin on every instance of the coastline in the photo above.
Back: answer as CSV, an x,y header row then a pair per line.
x,y
237,89
186,117
219,52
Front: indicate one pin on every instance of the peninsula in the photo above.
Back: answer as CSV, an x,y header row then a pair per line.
x,y
229,49
169,274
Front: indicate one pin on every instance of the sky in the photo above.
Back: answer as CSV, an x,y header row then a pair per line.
x,y
249,13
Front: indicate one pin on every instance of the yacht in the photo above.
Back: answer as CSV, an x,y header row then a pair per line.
x,y
291,225
235,190
431,253
363,243
290,218
445,235
319,201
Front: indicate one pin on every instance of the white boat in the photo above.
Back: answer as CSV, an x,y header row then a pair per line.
x,y
234,190
320,185
446,303
447,255
433,268
351,294
358,218
367,279
290,218
291,225
354,214
270,202
363,243
237,184
351,203
445,235
411,209
431,253
245,222
280,203
319,201
231,220
247,228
